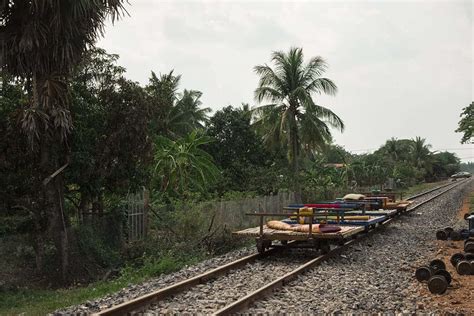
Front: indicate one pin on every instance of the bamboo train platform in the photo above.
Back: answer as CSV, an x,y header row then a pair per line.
x,y
276,234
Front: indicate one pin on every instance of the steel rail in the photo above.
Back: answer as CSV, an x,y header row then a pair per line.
x,y
245,301
437,195
434,189
140,302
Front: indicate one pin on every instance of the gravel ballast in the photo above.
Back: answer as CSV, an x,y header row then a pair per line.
x,y
162,281
374,275
211,296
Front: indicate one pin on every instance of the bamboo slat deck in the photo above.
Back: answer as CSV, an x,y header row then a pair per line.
x,y
398,206
403,206
371,221
374,212
274,234
348,221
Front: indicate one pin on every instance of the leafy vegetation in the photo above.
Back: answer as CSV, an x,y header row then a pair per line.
x,y
466,124
41,43
181,165
239,152
467,166
44,301
77,137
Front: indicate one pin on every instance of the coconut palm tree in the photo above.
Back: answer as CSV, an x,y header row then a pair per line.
x,y
392,148
420,151
421,155
175,114
291,118
189,104
163,91
41,42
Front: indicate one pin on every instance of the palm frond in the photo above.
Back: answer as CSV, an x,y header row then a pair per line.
x,y
268,93
322,85
314,69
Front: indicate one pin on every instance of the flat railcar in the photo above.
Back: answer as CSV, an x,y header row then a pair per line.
x,y
352,217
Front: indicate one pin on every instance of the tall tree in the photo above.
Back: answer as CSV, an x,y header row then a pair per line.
x,y
189,105
444,165
421,155
392,148
236,148
397,149
110,144
292,119
162,91
174,114
420,150
41,42
466,124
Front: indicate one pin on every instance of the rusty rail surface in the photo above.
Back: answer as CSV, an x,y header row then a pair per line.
x,y
434,189
139,303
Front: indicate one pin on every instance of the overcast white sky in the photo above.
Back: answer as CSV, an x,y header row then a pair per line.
x,y
403,68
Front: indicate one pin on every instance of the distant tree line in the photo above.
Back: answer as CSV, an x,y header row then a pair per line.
x,y
405,161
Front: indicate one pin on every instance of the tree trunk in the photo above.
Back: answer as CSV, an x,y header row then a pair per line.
x,y
50,152
54,200
295,162
38,245
62,227
84,207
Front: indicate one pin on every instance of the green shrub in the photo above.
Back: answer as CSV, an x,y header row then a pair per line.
x,y
94,246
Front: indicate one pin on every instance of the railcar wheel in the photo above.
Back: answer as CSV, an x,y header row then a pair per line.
x,y
423,274
469,239
437,284
455,235
449,230
324,247
469,257
260,246
441,235
438,264
446,275
464,268
456,258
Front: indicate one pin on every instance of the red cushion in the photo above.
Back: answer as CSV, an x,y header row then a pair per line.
x,y
329,228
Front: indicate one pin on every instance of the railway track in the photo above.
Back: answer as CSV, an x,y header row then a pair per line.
x,y
290,269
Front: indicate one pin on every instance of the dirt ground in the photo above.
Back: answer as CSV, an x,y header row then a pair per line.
x,y
460,295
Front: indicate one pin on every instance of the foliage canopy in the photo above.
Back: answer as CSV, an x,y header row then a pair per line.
x,y
466,124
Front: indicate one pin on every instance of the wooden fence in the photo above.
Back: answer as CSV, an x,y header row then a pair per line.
x,y
233,212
